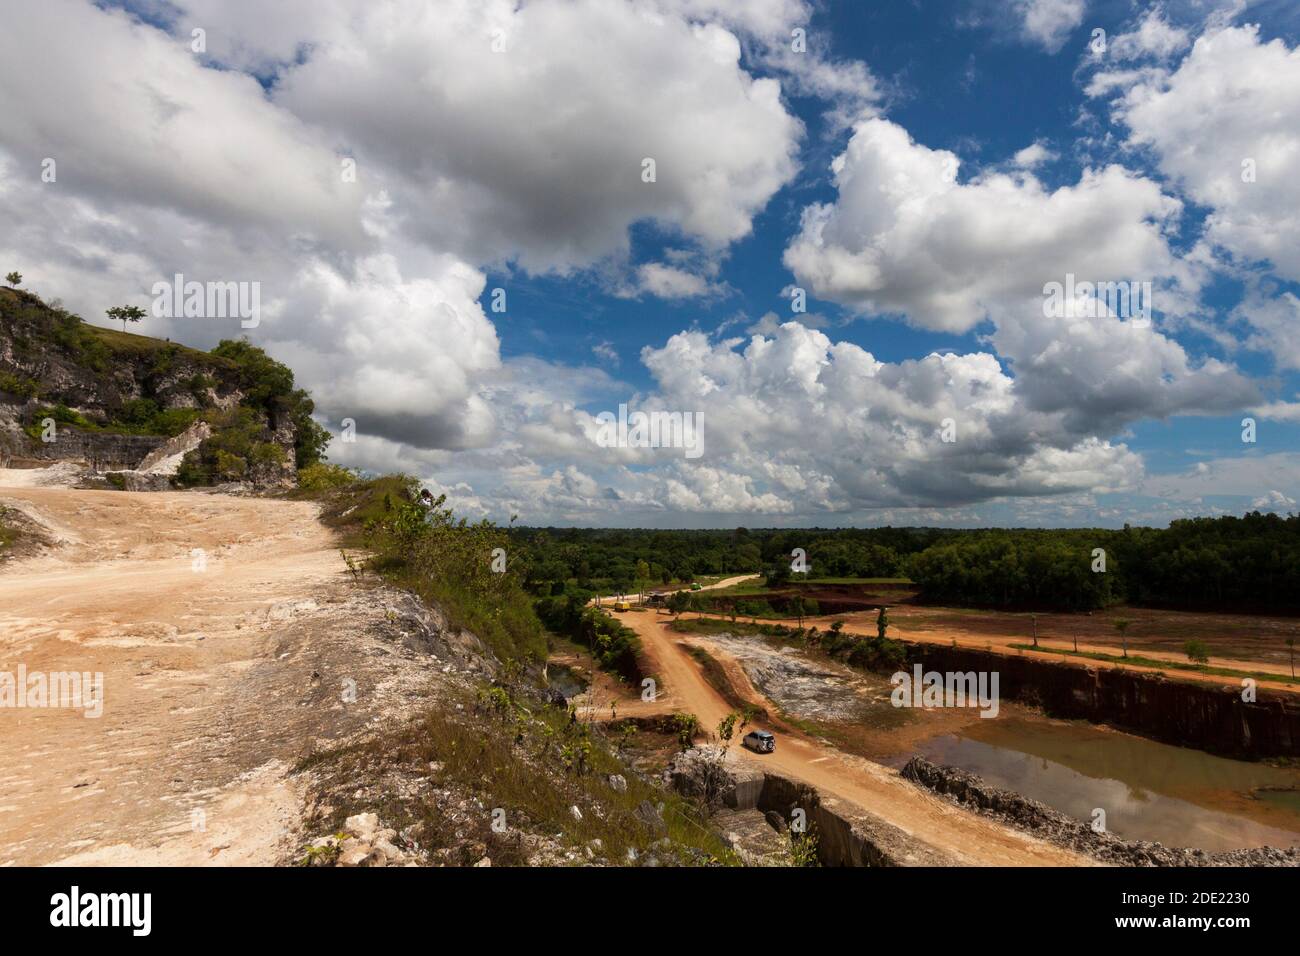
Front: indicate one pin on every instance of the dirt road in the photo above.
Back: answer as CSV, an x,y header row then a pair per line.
x,y
715,586
969,838
220,625
865,624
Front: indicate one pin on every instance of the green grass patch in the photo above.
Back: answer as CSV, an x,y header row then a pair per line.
x,y
129,344
535,764
717,625
420,546
357,509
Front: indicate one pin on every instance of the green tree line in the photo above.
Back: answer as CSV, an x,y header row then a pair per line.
x,y
1248,563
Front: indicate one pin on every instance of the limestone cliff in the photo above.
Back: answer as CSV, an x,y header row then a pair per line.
x,y
115,401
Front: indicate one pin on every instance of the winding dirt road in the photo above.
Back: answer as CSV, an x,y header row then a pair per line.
x,y
970,839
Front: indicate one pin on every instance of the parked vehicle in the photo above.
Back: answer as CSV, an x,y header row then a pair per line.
x,y
622,606
760,741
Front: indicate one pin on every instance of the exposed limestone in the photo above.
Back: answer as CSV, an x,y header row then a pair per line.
x,y
166,458
1208,717
846,836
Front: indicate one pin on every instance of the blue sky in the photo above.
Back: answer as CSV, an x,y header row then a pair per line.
x,y
960,79
498,146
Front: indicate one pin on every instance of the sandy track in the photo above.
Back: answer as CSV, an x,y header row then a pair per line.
x,y
716,586
966,837
866,626
203,675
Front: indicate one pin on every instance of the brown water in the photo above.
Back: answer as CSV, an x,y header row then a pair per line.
x,y
1149,790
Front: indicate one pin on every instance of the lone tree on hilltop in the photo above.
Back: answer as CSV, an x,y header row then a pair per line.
x,y
125,313
15,279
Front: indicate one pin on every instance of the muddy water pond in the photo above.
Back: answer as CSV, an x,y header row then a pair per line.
x,y
1149,790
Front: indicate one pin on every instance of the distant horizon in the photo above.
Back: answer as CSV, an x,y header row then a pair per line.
x,y
896,527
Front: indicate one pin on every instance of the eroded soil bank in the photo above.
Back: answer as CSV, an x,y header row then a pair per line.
x,y
1208,717
1149,791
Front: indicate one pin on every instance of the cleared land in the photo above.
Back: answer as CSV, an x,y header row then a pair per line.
x,y
1246,643
215,681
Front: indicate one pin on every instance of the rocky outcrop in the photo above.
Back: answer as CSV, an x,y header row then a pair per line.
x,y
165,459
115,397
1206,716
427,629
99,451
363,842
970,791
155,471
846,836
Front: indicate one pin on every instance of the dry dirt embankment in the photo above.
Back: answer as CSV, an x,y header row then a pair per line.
x,y
1197,714
217,676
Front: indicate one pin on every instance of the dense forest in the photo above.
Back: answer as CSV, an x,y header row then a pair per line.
x,y
602,558
1251,563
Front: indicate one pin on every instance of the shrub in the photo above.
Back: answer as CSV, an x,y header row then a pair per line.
x,y
323,476
268,453
869,653
755,608
615,647
22,387
419,544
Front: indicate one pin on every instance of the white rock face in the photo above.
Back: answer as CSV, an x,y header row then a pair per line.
x,y
367,844
166,458
362,826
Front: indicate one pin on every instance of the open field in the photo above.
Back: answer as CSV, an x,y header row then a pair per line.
x,y
1238,641
1232,639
